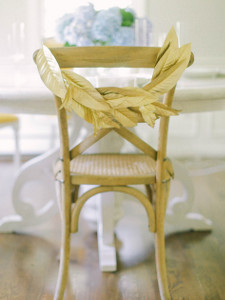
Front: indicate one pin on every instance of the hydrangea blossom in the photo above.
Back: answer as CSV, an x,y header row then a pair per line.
x,y
88,27
61,25
106,23
75,29
124,36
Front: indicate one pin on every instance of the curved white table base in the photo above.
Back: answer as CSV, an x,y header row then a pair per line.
x,y
105,232
36,177
37,174
179,215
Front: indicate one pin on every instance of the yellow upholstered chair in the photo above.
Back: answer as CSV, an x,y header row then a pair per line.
x,y
114,109
10,120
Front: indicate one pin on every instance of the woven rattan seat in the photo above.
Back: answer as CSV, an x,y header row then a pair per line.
x,y
114,168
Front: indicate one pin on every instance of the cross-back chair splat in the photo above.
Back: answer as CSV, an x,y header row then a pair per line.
x,y
88,142
137,142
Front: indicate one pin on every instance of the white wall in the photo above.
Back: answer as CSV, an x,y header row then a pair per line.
x,y
202,24
20,27
10,11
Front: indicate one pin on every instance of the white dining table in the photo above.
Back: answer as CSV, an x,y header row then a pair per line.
x,y
193,94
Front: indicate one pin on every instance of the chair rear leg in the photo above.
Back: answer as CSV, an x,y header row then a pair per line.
x,y
161,263
162,195
64,263
65,243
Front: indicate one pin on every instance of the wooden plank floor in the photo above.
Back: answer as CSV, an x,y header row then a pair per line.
x,y
195,260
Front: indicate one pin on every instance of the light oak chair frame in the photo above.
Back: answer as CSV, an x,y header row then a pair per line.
x,y
70,203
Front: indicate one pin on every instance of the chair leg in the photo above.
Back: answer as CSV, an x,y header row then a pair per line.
x,y
160,246
65,246
161,264
64,264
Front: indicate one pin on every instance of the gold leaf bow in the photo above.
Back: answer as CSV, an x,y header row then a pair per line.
x,y
111,106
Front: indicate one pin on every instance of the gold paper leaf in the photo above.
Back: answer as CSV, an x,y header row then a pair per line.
x,y
50,72
84,97
170,55
170,41
126,91
167,61
82,111
106,120
148,114
163,110
126,97
84,92
126,101
184,53
77,79
167,80
125,117
81,82
167,55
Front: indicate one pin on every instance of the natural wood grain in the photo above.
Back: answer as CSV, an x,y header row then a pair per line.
x,y
123,189
88,142
132,57
161,201
121,56
64,201
136,141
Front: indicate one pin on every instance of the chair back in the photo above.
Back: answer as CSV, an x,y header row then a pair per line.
x,y
111,57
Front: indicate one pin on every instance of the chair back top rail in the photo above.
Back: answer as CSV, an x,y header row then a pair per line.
x,y
106,57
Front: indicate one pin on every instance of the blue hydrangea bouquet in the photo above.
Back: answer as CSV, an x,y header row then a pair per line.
x,y
88,27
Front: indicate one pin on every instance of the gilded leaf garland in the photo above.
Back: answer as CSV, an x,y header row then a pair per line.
x,y
111,106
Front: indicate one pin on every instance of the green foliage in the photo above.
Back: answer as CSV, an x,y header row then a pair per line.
x,y
67,44
127,18
99,43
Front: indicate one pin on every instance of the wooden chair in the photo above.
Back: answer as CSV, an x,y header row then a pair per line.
x,y
112,172
10,120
